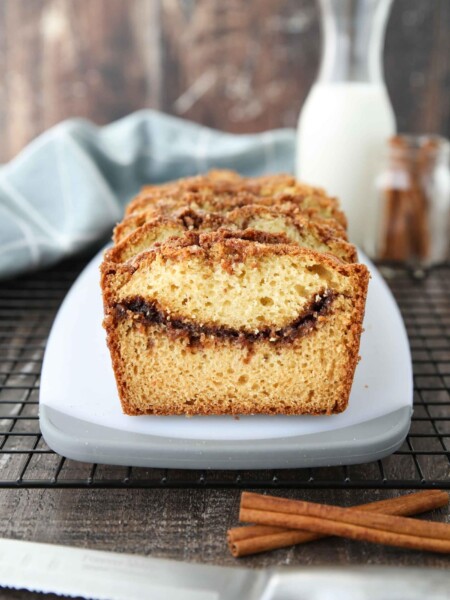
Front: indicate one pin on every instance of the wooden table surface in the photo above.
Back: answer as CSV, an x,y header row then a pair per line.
x,y
231,65
188,525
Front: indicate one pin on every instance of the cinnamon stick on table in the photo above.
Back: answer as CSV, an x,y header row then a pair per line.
x,y
254,539
352,523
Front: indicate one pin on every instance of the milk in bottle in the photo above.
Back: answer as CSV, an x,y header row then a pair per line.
x,y
347,116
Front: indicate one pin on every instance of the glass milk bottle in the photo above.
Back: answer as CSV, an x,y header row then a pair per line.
x,y
347,116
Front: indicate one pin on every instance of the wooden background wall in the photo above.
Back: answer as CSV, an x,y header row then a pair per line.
x,y
239,65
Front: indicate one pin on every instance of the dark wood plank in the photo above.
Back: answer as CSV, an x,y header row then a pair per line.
x,y
187,525
69,58
417,67
236,66
183,524
239,66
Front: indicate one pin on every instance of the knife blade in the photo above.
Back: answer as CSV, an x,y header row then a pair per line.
x,y
101,575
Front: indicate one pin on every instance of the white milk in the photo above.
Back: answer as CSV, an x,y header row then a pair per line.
x,y
342,130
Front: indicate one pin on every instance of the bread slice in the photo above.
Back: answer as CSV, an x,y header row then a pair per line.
x,y
297,227
319,209
221,181
233,322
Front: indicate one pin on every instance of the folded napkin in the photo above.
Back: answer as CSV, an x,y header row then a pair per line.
x,y
69,186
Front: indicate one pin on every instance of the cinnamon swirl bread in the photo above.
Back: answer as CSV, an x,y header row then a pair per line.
x,y
232,307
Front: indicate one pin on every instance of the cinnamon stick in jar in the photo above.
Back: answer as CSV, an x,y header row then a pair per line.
x,y
405,231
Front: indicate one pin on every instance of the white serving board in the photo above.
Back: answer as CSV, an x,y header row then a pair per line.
x,y
81,417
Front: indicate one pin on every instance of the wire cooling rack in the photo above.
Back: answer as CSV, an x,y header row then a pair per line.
x,y
28,306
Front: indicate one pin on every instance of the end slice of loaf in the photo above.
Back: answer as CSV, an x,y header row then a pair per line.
x,y
221,181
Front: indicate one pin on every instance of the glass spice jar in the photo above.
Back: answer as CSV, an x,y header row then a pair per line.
x,y
413,190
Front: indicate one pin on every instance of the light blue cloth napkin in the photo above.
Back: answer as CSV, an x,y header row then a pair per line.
x,y
69,186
